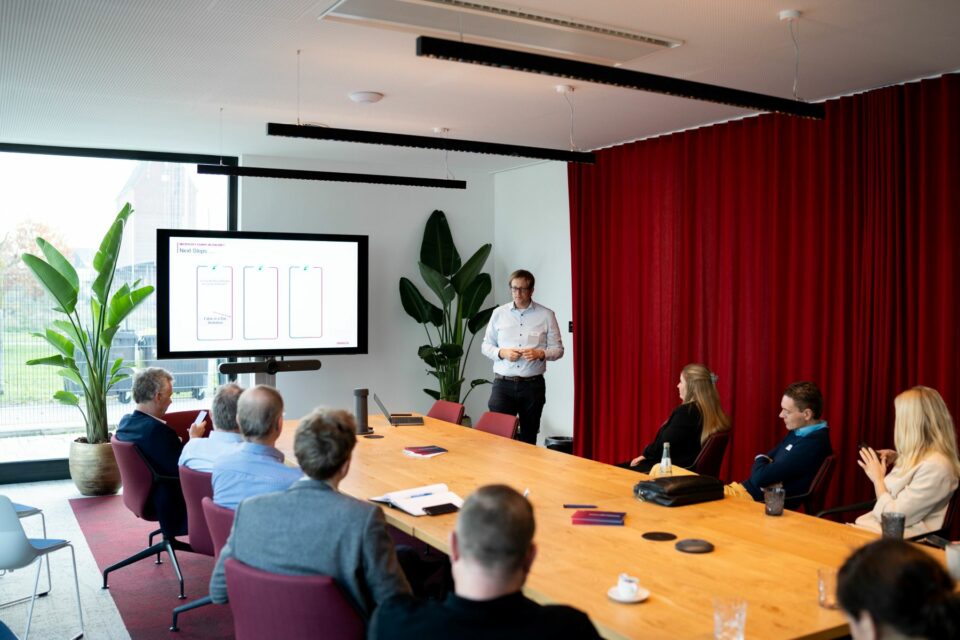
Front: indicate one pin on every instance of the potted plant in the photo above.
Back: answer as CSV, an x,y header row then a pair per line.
x,y
83,348
461,289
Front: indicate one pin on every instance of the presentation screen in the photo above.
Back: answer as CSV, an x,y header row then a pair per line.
x,y
224,294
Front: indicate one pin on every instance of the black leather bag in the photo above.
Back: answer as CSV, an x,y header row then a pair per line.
x,y
677,491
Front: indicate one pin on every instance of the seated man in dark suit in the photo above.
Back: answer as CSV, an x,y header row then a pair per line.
x,y
312,528
491,551
795,461
159,444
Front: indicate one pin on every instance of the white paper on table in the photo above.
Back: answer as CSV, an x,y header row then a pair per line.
x,y
413,501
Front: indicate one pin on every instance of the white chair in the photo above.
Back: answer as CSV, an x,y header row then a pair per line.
x,y
25,511
18,551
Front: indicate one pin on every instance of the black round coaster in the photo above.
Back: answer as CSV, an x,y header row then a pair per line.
x,y
372,437
694,545
659,536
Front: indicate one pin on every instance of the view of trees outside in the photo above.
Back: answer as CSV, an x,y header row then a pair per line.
x,y
70,202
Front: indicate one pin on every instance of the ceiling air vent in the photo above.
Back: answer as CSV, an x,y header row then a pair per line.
x,y
499,26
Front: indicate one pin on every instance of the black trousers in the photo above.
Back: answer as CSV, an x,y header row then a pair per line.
x,y
524,398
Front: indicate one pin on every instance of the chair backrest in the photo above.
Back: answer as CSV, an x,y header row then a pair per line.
x,y
180,422
813,503
137,479
951,519
15,549
711,455
499,424
271,605
196,486
219,522
447,411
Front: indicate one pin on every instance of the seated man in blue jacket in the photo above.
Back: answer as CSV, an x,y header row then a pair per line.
x,y
795,461
159,444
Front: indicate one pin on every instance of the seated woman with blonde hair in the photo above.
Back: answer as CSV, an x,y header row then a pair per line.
x,y
697,418
925,466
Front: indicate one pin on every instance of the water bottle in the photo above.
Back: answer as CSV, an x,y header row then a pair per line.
x,y
360,410
666,468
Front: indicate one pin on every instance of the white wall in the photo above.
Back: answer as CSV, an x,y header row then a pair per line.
x,y
393,217
532,231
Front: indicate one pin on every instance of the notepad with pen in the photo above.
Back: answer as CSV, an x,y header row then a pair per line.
x,y
609,518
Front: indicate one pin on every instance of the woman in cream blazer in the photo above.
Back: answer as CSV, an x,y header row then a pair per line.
x,y
925,466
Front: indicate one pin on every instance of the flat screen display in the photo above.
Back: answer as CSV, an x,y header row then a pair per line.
x,y
227,294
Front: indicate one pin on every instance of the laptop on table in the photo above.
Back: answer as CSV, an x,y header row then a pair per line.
x,y
395,419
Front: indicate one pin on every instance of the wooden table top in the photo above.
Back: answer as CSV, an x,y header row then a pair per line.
x,y
771,562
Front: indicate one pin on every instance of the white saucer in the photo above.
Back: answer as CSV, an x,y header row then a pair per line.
x,y
614,594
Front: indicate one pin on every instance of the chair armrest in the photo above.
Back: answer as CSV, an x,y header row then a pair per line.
x,y
858,506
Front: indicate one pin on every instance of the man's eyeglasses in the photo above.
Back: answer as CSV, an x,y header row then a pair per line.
x,y
519,289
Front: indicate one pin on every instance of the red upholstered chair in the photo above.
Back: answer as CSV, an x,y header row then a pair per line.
x,y
271,605
812,501
447,411
711,455
180,422
219,521
139,479
499,424
196,485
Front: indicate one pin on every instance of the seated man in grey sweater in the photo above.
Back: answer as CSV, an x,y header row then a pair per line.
x,y
491,551
312,528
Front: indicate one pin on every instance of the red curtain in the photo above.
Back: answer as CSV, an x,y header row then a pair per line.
x,y
772,249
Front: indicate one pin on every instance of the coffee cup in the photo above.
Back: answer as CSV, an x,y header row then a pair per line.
x,y
627,586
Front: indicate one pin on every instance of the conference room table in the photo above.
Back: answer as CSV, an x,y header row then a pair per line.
x,y
771,562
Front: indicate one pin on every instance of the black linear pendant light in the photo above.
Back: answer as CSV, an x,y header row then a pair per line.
x,y
330,176
425,142
600,74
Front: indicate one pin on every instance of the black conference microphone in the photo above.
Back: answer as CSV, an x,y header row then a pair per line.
x,y
360,411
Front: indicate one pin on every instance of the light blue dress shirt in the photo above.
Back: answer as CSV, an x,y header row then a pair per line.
x,y
805,431
251,470
200,454
513,328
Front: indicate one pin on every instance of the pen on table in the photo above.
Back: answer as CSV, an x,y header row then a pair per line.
x,y
421,495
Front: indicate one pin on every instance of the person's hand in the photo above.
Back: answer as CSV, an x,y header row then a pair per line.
x,y
871,464
887,456
533,354
197,430
636,461
510,354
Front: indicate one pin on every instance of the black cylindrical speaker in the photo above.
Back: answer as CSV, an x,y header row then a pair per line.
x,y
360,410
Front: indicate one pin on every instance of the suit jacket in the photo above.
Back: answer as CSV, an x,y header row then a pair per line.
x,y
161,446
311,528
921,492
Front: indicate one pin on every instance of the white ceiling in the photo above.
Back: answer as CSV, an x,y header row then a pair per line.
x,y
153,74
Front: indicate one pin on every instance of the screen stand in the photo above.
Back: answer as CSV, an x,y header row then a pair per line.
x,y
265,370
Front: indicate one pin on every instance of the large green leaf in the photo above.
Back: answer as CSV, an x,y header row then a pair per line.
x,y
105,262
58,341
480,320
416,306
58,262
470,269
450,351
116,378
59,288
106,336
124,301
52,361
67,398
428,354
477,291
477,382
433,394
70,374
118,363
438,283
68,329
437,249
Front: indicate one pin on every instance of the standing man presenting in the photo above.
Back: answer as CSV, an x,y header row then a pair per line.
x,y
521,337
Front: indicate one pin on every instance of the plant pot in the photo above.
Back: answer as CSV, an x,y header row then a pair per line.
x,y
94,468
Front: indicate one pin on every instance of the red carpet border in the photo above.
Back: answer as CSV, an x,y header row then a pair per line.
x,y
146,593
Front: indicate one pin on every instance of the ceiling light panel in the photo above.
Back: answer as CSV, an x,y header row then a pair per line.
x,y
489,24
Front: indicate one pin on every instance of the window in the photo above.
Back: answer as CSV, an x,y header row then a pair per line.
x,y
70,197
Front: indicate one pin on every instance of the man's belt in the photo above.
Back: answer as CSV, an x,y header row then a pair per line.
x,y
517,378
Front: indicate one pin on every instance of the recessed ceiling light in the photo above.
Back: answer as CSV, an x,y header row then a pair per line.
x,y
366,97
